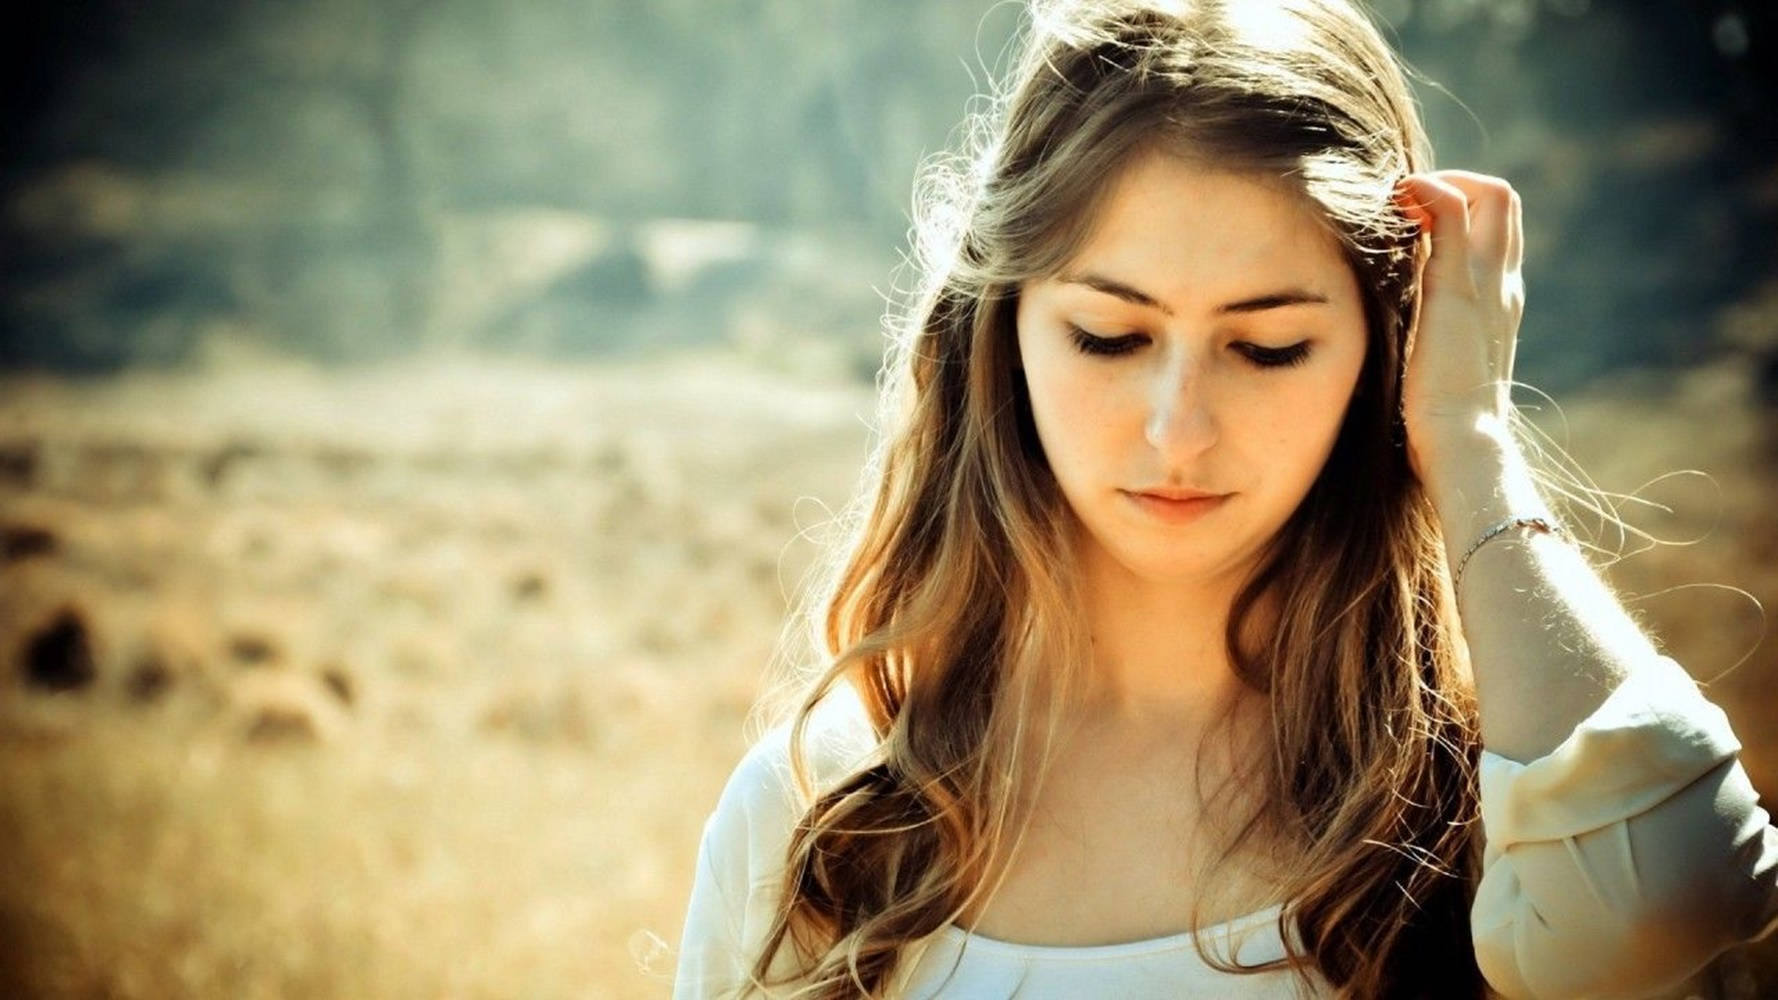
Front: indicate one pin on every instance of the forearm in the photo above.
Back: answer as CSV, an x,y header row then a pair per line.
x,y
1547,639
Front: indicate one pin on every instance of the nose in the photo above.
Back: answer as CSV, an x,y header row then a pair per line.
x,y
1180,421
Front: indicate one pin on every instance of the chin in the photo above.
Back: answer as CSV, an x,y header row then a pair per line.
x,y
1169,563
1197,571
1192,557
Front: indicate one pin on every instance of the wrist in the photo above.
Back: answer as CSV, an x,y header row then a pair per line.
x,y
1444,445
1477,480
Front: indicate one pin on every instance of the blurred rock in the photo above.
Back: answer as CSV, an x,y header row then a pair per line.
x,y
21,541
59,656
252,649
18,464
281,724
281,707
338,683
149,678
529,586
216,466
175,653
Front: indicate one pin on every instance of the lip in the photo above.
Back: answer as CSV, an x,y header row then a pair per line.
x,y
1172,494
1177,506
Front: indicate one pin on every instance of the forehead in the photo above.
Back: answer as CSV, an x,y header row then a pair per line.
x,y
1192,235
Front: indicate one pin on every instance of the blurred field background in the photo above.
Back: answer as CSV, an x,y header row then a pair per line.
x,y
416,421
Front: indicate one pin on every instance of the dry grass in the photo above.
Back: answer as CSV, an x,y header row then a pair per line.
x,y
419,681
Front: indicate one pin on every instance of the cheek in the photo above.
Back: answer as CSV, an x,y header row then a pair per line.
x,y
1073,409
1305,429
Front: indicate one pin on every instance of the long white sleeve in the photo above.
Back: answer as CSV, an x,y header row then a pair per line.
x,y
710,943
1628,857
740,860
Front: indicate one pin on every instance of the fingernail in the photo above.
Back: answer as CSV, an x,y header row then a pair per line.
x,y
1411,208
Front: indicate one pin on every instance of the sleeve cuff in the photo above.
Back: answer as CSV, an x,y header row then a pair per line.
x,y
1654,734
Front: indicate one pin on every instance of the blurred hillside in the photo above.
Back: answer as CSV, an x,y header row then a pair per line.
x,y
360,179
419,680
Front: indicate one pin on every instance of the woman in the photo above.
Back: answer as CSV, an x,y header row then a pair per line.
x,y
1145,671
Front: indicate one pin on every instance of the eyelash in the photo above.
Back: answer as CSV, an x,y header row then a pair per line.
x,y
1261,357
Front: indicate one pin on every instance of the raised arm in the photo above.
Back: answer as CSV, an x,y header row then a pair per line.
x,y
1625,847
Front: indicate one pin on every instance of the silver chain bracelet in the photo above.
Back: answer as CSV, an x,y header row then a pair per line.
x,y
1543,524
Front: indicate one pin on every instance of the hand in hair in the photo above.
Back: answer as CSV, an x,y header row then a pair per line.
x,y
1456,387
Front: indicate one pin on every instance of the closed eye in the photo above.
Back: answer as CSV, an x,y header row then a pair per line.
x,y
1276,357
1260,357
1090,344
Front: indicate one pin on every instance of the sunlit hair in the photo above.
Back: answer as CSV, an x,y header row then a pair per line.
x,y
950,611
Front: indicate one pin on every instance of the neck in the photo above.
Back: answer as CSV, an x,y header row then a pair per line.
x,y
1159,650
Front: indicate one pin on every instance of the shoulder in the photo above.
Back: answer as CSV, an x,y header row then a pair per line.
x,y
761,802
746,840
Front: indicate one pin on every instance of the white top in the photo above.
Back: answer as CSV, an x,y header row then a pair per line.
x,y
1618,864
1157,967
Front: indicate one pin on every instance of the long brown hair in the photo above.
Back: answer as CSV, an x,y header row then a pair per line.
x,y
948,613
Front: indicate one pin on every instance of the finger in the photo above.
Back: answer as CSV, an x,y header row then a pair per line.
x,y
1494,216
1490,220
1407,199
1515,234
1447,212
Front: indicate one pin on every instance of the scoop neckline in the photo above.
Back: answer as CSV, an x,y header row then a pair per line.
x,y
1122,948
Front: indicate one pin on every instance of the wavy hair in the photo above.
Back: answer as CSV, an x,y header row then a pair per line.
x,y
946,610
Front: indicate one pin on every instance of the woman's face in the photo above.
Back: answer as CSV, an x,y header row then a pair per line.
x,y
1207,338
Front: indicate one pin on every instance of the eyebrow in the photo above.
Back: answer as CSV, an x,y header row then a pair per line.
x,y
1258,303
